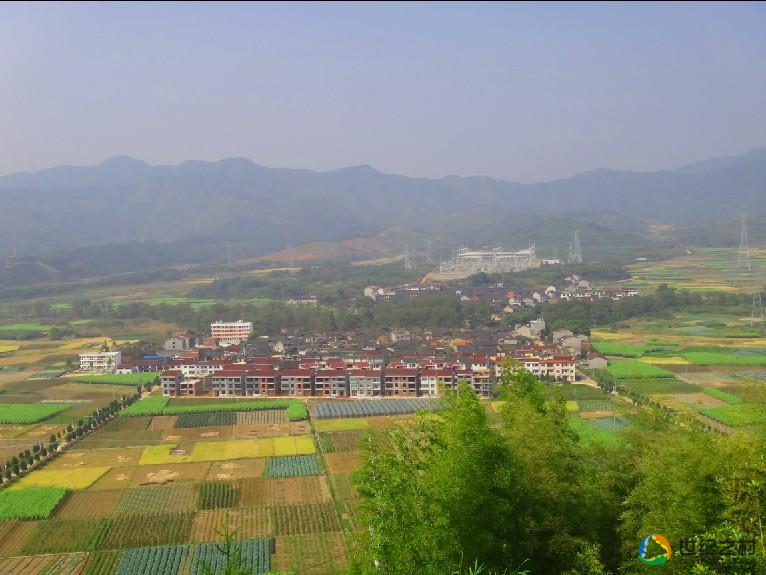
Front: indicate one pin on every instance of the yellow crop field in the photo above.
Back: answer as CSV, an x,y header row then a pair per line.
x,y
232,449
8,346
161,454
343,424
610,335
665,360
67,478
227,450
294,445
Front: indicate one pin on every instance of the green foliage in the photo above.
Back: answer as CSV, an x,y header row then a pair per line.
x,y
30,412
630,369
461,489
158,405
722,395
30,503
120,378
589,434
665,299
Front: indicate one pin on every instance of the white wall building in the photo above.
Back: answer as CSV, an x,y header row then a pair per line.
x,y
104,361
231,332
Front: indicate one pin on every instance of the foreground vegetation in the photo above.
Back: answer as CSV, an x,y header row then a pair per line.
x,y
467,488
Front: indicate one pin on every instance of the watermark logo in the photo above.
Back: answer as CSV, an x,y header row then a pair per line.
x,y
650,558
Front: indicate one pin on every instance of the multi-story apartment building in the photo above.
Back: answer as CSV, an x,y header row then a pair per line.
x,y
401,382
482,382
231,332
261,382
330,383
299,382
365,383
228,382
433,380
104,361
174,384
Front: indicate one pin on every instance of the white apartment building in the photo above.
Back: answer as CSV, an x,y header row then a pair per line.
x,y
231,332
103,361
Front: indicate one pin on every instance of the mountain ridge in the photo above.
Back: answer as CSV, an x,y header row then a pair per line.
x,y
124,199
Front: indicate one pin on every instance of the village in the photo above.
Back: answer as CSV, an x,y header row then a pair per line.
x,y
401,363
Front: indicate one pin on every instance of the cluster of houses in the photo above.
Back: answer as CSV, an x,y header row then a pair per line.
x,y
397,364
363,375
497,295
402,292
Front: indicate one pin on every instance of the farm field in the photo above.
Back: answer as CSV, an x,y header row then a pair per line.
x,y
116,505
131,379
705,269
709,365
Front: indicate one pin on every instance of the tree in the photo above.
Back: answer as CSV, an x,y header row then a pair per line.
x,y
438,494
234,562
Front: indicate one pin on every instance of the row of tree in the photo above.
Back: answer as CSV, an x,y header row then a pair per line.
x,y
17,465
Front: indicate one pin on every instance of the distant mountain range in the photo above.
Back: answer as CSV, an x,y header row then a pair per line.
x,y
262,210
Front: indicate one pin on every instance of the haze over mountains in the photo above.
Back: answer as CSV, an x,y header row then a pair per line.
x,y
125,200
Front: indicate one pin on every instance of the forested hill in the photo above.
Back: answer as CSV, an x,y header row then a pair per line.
x,y
125,200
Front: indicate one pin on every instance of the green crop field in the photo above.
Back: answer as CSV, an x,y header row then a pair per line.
x,y
218,495
588,405
736,415
30,503
292,466
718,358
206,419
591,434
30,412
629,369
152,560
581,391
120,378
158,405
723,396
648,386
619,348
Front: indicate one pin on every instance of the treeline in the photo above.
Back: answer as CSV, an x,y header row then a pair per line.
x,y
445,311
519,492
330,283
582,315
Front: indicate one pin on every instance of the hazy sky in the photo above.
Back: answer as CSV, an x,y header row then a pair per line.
x,y
517,91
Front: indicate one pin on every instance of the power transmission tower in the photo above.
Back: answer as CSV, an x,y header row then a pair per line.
x,y
575,250
744,265
409,261
756,315
747,275
429,252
